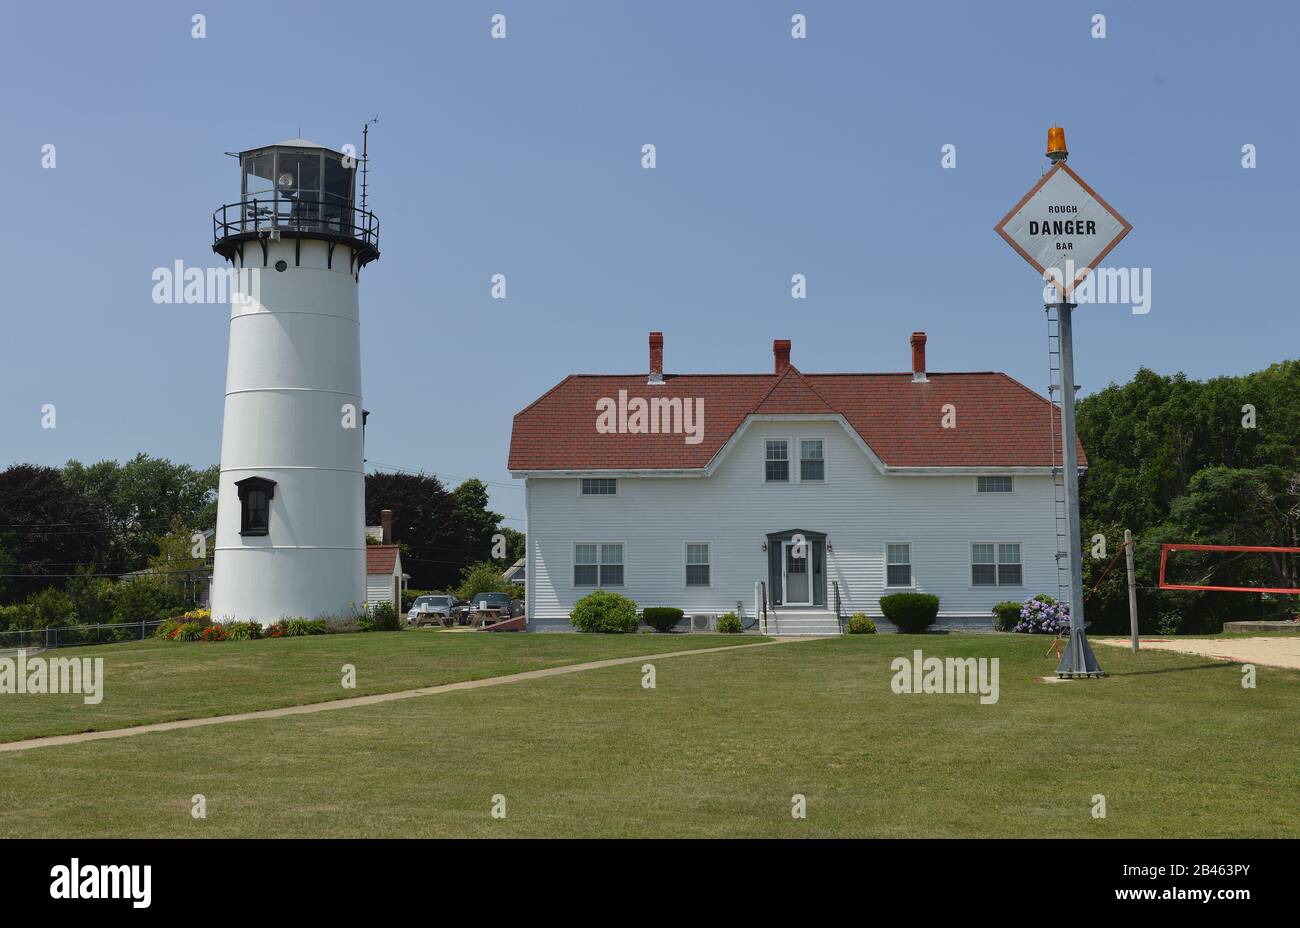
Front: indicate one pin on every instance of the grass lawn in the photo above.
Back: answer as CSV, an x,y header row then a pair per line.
x,y
1174,743
158,681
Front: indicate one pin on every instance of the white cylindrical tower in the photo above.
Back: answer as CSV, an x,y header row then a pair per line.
x,y
290,536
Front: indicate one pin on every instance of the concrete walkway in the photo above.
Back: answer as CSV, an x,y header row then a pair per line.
x,y
355,701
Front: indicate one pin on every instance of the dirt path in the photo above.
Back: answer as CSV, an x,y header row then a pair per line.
x,y
1270,652
354,702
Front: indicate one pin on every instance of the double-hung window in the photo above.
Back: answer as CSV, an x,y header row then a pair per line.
x,y
898,564
996,564
697,564
777,460
598,565
812,461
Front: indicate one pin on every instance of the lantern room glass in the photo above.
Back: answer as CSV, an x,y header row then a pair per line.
x,y
303,189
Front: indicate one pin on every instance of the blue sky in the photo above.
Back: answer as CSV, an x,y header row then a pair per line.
x,y
522,157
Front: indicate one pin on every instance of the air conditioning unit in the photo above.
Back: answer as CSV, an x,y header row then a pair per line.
x,y
702,622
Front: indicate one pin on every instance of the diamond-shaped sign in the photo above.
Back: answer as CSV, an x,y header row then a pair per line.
x,y
1063,226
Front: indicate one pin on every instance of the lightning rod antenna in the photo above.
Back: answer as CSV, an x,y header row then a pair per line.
x,y
365,160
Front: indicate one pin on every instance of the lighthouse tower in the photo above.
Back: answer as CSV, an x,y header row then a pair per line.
x,y
290,536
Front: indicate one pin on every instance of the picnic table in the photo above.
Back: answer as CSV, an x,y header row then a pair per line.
x,y
482,617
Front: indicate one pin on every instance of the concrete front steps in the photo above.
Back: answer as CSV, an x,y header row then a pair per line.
x,y
813,623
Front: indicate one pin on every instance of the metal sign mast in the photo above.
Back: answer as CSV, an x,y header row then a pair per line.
x,y
1063,228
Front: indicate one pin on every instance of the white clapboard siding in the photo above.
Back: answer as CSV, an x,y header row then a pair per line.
x,y
379,588
858,508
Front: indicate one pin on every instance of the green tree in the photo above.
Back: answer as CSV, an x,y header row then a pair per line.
x,y
144,498
50,528
516,545
8,564
1179,460
175,565
485,577
475,523
423,520
439,531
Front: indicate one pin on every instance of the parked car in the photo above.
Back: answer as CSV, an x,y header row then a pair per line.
x,y
435,609
490,601
500,601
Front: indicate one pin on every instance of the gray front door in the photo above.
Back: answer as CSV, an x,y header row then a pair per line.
x,y
795,569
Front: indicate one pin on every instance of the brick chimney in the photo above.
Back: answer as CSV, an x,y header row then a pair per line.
x,y
780,355
918,357
656,357
386,520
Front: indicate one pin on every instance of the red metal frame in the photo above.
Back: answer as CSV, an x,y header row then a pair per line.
x,y
1164,556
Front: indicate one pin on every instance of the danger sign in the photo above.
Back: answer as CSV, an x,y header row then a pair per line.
x,y
1063,227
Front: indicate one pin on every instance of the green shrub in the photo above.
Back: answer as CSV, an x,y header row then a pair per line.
x,y
166,628
859,624
296,628
386,618
661,618
1006,616
92,599
911,612
187,631
1168,622
50,607
603,611
15,616
146,600
242,631
729,624
485,577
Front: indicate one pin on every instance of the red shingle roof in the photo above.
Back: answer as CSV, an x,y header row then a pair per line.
x,y
1000,422
381,559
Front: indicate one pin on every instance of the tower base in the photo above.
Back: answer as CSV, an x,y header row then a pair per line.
x,y
1078,659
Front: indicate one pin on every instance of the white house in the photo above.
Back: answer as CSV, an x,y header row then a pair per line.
x,y
689,490
517,573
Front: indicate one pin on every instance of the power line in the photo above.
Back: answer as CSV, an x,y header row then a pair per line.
x,y
435,474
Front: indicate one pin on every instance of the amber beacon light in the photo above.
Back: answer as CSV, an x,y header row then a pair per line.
x,y
1056,149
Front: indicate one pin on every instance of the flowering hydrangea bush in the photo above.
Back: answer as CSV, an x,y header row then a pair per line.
x,y
1043,615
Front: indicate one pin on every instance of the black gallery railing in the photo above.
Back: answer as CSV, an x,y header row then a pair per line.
x,y
255,216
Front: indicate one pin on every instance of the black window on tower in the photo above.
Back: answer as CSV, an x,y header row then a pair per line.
x,y
255,495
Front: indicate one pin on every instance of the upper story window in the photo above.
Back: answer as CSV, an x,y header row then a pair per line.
x,y
777,460
255,495
599,486
812,462
993,485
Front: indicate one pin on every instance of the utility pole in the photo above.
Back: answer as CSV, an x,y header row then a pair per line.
x,y
1132,588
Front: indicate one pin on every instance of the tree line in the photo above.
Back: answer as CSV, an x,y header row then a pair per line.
x,y
73,540
1201,462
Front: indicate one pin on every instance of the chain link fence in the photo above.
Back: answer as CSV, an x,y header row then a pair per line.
x,y
76,635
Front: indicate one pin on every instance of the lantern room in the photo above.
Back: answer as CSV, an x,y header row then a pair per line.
x,y
297,189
